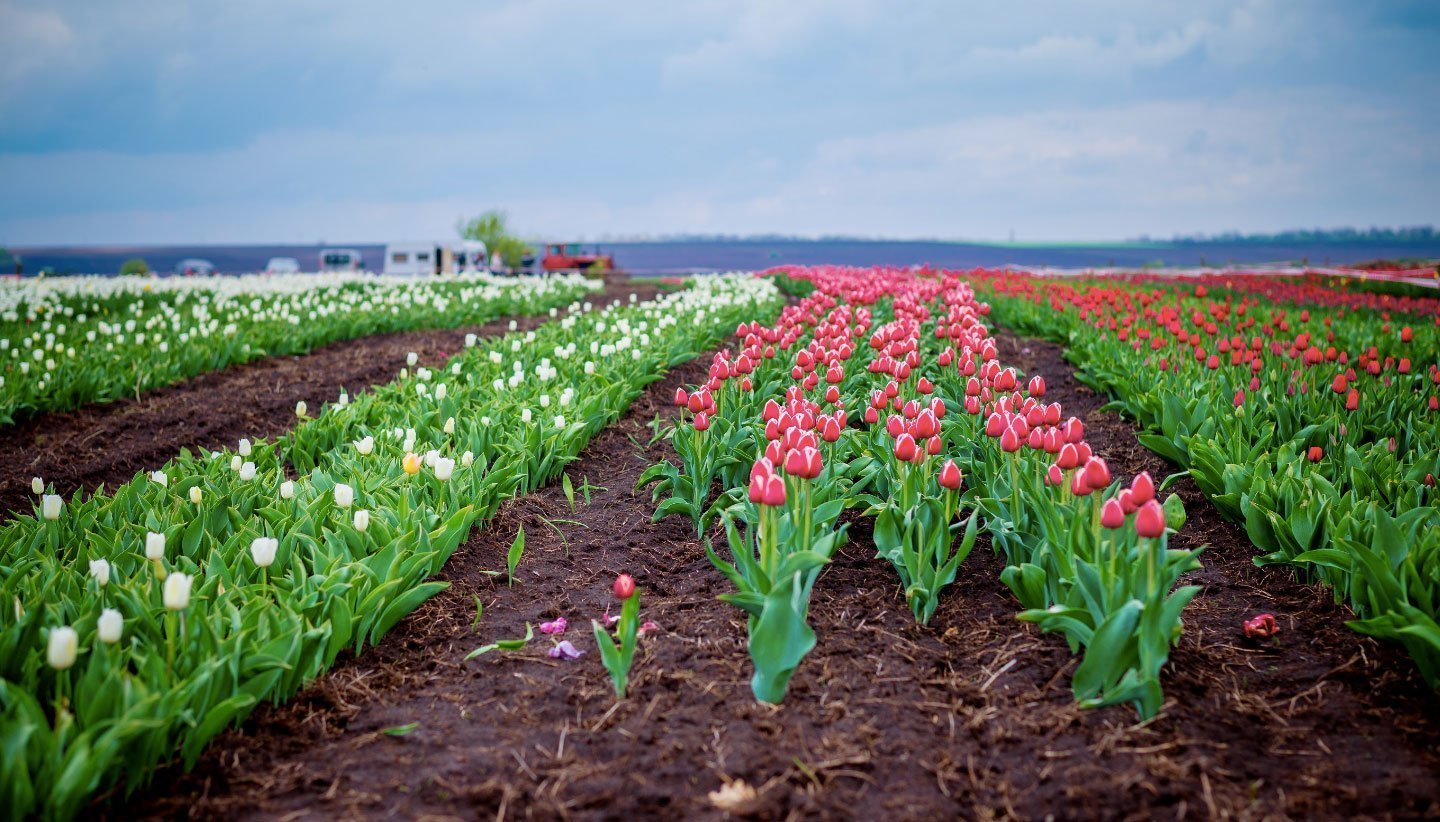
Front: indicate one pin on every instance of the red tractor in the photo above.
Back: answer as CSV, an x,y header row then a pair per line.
x,y
574,257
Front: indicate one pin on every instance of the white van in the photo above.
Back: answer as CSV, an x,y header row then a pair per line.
x,y
341,259
428,258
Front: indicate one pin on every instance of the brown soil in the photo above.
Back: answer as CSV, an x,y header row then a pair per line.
x,y
108,444
971,716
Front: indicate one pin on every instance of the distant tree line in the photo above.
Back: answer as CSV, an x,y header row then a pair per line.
x,y
1318,236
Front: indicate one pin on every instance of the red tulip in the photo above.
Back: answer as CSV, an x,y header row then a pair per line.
x,y
1352,400
905,448
681,397
1069,457
871,416
950,476
624,587
924,386
1009,441
1078,486
1097,473
1150,520
702,421
1315,453
830,429
1054,476
934,445
926,425
1074,430
994,425
1112,515
1339,384
894,426
773,493
1143,488
771,410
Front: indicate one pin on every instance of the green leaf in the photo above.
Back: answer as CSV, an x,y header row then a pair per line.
x,y
512,559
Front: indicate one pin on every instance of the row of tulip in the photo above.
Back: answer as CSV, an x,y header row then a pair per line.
x,y
780,427
138,625
68,341
1314,421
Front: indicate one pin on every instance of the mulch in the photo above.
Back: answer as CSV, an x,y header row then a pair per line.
x,y
108,444
970,716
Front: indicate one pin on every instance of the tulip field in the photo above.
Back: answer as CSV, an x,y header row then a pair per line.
x,y
865,557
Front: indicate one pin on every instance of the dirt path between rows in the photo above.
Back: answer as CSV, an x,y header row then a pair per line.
x,y
971,716
110,443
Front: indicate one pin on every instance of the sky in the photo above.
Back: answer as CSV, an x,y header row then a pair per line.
x,y
300,121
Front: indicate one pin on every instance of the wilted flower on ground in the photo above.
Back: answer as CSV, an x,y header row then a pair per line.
x,y
1261,626
555,626
565,649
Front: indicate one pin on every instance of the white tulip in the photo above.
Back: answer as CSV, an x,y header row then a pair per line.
x,y
365,446
50,506
344,399
411,359
430,457
235,463
196,494
470,340
344,495
159,478
300,409
37,485
154,546
525,415
177,591
244,449
100,569
450,425
440,392
262,551
362,520
110,626
60,652
559,421
444,468
287,489
247,472
467,459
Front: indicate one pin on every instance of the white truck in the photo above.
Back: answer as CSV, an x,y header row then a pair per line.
x,y
429,258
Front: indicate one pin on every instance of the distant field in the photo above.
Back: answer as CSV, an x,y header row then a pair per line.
x,y
671,257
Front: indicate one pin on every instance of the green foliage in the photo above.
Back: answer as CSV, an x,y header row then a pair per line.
x,y
490,228
134,267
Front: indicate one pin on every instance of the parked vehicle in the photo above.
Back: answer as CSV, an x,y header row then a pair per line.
x,y
341,259
282,265
429,258
194,267
575,257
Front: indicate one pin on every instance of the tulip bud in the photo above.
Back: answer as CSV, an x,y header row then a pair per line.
x,y
411,359
361,520
345,495
467,459
287,489
1316,453
905,447
1009,441
177,591
624,587
196,495
236,462
50,505
702,421
262,551
1174,510
440,392
1112,515
449,425
100,570
154,546
1150,520
300,409
1097,473
61,649
1054,476
110,626
37,485
244,449
1142,488
950,476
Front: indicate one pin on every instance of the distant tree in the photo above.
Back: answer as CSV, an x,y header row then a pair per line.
x,y
490,229
134,267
